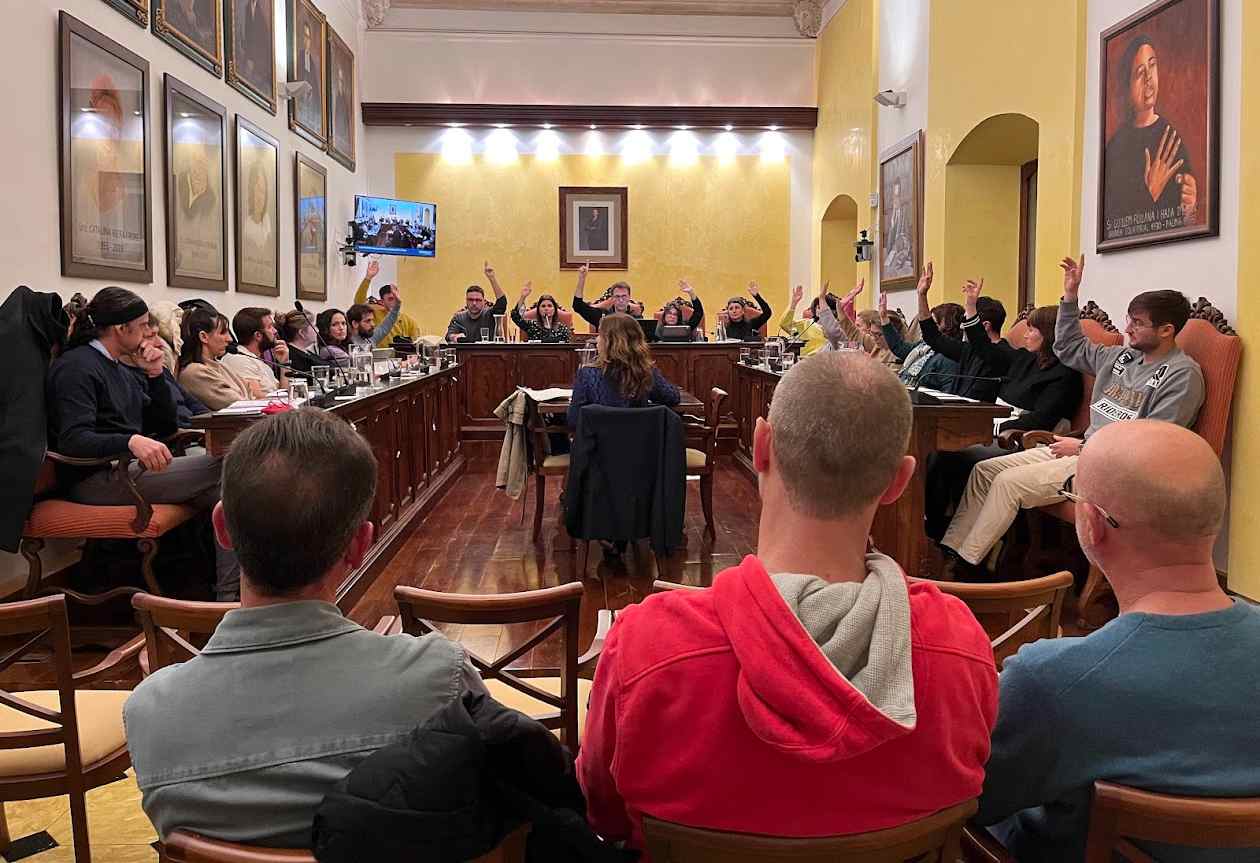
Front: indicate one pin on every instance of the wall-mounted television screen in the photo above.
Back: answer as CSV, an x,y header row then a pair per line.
x,y
386,226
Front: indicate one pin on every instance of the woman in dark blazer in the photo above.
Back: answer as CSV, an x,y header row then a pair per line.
x,y
623,374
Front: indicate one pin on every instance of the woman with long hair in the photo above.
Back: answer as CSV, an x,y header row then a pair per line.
x,y
623,374
685,311
544,325
334,329
205,336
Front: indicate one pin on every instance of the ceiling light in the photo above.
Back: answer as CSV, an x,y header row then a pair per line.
x,y
729,127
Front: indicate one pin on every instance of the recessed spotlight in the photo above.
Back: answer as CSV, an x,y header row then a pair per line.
x,y
181,113
593,126
729,127
638,125
774,128
546,125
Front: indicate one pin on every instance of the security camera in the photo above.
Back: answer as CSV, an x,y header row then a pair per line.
x,y
864,249
295,89
349,254
891,98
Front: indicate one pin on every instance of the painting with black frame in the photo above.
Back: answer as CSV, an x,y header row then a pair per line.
x,y
249,46
341,100
257,186
196,187
194,28
308,113
136,10
310,221
104,181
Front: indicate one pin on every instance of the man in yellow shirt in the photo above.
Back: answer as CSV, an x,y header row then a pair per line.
x,y
405,327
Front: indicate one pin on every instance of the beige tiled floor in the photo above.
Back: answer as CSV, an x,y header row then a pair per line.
x,y
119,830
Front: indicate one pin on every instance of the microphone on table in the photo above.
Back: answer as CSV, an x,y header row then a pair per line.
x,y
917,397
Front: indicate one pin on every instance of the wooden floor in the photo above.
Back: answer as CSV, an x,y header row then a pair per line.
x,y
475,541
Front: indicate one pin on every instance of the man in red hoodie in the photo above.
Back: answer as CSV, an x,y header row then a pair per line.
x,y
811,691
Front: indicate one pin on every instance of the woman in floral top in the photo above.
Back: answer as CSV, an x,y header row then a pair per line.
x,y
543,325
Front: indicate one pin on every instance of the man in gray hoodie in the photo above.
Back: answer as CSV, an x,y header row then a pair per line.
x,y
1150,378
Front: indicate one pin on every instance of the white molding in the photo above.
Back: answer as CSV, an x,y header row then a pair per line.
x,y
830,8
632,38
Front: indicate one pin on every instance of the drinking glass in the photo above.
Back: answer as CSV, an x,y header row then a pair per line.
x,y
744,355
789,360
322,376
299,391
485,334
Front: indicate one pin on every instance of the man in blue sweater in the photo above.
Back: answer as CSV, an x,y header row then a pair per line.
x,y
1162,698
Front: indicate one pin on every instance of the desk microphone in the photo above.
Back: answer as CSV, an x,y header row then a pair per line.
x,y
918,397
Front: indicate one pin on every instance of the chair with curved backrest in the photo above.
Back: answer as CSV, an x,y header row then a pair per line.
x,y
702,461
184,847
174,629
1013,613
66,740
933,838
556,697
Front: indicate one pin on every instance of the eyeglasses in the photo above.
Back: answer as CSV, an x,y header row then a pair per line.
x,y
1067,492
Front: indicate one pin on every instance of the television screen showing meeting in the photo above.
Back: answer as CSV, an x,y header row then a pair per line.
x,y
390,227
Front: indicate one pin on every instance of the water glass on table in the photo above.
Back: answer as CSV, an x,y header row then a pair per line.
x,y
299,391
485,334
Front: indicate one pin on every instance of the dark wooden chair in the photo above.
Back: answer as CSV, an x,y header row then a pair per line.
x,y
184,847
702,459
175,630
1120,815
933,838
66,740
555,697
660,586
545,464
1013,613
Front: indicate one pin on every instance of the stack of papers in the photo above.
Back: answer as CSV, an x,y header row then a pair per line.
x,y
246,406
948,397
547,394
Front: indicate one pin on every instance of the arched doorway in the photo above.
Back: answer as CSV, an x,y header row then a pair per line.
x,y
839,232
991,210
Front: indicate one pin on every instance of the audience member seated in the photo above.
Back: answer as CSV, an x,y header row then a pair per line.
x,y
787,699
255,332
977,377
403,326
186,405
739,322
201,372
97,408
920,364
302,339
619,302
681,313
545,326
623,374
1161,698
242,742
1150,378
334,328
365,332
466,326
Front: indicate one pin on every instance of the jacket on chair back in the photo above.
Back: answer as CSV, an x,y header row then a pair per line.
x,y
627,476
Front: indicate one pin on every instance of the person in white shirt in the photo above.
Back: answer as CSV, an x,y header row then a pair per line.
x,y
255,331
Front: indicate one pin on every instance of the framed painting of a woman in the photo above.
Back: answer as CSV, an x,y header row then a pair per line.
x,y
257,212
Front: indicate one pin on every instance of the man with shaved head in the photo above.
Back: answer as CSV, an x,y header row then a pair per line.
x,y
787,699
1163,697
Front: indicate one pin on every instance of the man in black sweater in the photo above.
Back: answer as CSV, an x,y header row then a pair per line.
x,y
99,408
621,302
978,377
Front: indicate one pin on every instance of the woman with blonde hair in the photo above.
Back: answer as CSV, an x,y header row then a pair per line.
x,y
622,375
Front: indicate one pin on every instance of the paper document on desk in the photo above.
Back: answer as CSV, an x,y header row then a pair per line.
x,y
245,406
547,394
948,397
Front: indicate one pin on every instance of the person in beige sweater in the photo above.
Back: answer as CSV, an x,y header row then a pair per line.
x,y
205,337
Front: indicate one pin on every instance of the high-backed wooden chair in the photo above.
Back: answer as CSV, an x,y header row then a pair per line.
x,y
175,630
66,740
556,698
933,838
702,460
1013,613
545,464
184,847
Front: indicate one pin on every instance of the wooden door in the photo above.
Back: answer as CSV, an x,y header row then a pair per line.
x,y
404,482
417,439
379,431
456,395
489,377
433,435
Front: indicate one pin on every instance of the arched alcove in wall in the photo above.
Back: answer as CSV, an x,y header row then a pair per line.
x,y
839,232
990,214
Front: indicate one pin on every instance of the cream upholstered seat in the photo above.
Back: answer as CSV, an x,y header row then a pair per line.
x,y
101,734
696,459
511,697
556,461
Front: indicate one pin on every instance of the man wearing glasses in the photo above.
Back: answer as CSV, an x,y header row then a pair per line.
x,y
1149,378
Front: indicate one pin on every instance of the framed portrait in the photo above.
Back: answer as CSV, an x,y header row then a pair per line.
x,y
257,210
194,28
196,167
594,227
341,101
308,113
901,213
310,207
136,10
249,45
104,176
1159,162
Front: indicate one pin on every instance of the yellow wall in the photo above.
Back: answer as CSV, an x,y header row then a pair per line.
x,y
839,230
846,129
1244,539
982,211
1017,56
718,225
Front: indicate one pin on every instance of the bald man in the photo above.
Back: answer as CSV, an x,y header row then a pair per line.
x,y
1163,697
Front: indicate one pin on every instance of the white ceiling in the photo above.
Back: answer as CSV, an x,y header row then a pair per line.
x,y
751,8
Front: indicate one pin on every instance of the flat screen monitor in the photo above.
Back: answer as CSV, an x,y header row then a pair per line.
x,y
385,226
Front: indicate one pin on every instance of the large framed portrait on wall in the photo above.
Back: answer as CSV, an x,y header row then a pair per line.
x,y
594,227
341,100
104,138
901,213
196,209
249,43
308,113
257,210
136,10
1159,88
194,28
310,205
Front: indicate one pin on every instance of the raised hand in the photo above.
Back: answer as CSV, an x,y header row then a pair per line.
x,y
971,292
798,293
686,287
525,291
373,270
1073,272
583,270
1162,168
883,307
857,290
488,270
925,280
151,453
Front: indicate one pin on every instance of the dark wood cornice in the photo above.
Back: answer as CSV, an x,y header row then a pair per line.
x,y
579,116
